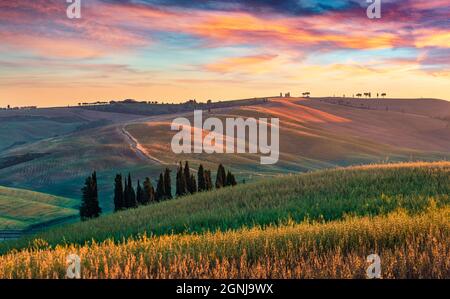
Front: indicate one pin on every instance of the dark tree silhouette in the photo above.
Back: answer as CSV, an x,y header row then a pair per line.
x,y
221,177
167,184
231,180
90,207
129,194
201,179
187,176
193,184
160,189
149,192
208,180
140,197
118,193
181,188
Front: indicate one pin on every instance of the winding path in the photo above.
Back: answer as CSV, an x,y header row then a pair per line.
x,y
136,147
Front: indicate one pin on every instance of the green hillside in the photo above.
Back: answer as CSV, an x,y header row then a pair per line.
x,y
22,209
319,196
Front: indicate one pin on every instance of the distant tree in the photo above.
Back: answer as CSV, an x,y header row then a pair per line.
x,y
208,180
85,212
118,193
130,194
201,179
181,188
160,189
231,180
187,177
140,196
167,184
193,184
90,207
149,192
221,177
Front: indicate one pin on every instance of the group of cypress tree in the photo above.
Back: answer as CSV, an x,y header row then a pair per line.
x,y
126,197
90,207
224,179
164,186
187,184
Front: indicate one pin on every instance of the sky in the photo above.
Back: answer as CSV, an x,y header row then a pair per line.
x,y
173,50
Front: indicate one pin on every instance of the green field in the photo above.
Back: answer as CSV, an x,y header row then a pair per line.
x,y
317,225
319,196
315,135
22,209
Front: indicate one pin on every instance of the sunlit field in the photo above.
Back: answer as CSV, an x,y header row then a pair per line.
x,y
315,225
409,246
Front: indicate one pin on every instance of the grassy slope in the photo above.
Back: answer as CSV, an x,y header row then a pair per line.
x,y
310,139
71,159
76,141
316,135
20,209
410,246
325,195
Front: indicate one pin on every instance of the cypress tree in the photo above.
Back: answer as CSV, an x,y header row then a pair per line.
x,y
140,197
231,180
167,184
201,179
208,180
149,192
131,195
96,210
118,193
90,207
187,177
193,184
126,195
85,200
181,182
221,178
160,189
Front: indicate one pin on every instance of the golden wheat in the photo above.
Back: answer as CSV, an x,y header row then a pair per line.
x,y
410,246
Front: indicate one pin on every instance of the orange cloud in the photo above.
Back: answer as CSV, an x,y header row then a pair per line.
x,y
432,38
247,64
244,28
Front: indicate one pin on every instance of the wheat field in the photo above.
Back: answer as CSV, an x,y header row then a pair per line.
x,y
410,246
316,225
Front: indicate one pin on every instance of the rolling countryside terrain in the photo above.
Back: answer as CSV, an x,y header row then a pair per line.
x,y
318,133
24,210
315,134
319,224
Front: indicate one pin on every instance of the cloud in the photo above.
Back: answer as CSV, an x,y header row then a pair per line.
x,y
242,42
245,64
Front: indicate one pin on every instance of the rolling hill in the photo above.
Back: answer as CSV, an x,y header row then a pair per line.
x,y
25,210
315,225
315,134
323,195
320,133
